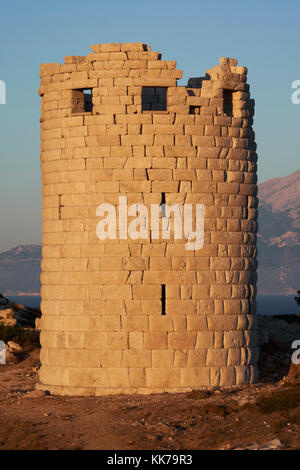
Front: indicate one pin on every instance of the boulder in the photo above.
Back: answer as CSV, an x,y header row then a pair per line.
x,y
12,313
14,347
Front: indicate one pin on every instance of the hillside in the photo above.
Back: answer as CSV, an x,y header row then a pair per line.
x,y
279,235
20,270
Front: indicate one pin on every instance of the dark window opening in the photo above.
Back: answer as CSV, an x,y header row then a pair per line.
x,y
194,109
163,204
163,299
227,102
82,101
154,98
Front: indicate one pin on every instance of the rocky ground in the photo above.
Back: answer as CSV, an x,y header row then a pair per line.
x,y
261,416
14,314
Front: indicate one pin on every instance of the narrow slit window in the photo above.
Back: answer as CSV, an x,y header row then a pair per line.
x,y
154,98
82,101
163,299
228,102
163,204
194,109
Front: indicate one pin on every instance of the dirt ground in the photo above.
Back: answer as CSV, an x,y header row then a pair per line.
x,y
258,416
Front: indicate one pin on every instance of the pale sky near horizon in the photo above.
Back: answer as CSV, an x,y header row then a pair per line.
x,y
262,34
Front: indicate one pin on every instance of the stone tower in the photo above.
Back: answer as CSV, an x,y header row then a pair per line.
x,y
145,314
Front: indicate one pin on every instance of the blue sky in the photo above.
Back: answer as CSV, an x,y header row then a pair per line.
x,y
263,35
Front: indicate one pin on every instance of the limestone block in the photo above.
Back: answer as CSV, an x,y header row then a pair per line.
x,y
146,292
136,340
116,292
137,377
137,139
48,339
182,340
51,375
234,339
162,358
136,358
175,307
155,340
105,323
179,322
112,47
198,323
172,291
205,340
135,323
186,292
216,357
160,323
195,376
164,377
197,357
180,359
75,340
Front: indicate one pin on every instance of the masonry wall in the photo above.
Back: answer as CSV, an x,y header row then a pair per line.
x,y
103,330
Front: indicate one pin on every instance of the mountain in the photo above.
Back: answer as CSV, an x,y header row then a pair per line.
x,y
279,235
20,270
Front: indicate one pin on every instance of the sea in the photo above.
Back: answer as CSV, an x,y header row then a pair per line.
x,y
266,304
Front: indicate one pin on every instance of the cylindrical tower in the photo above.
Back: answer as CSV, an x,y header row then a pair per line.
x,y
130,163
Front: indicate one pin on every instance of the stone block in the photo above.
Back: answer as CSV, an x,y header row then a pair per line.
x,y
137,377
182,340
155,340
162,358
163,377
118,377
195,377
136,358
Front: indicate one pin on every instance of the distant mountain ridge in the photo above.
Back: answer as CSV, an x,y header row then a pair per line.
x,y
279,235
20,270
278,245
282,194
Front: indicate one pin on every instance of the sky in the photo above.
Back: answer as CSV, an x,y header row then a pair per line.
x,y
262,34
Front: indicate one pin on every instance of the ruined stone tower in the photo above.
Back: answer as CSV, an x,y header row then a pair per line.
x,y
146,315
